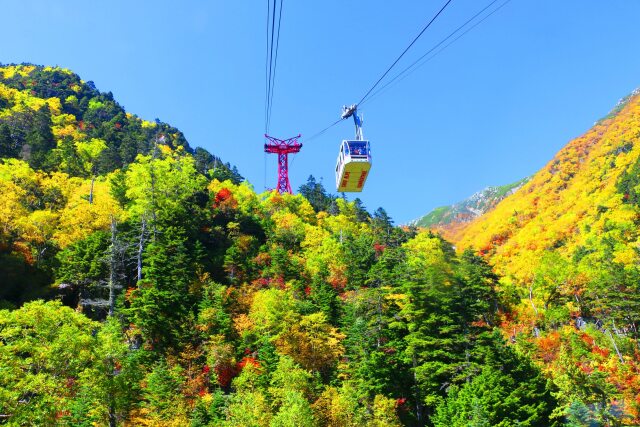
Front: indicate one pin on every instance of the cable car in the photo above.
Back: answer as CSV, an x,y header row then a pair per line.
x,y
354,158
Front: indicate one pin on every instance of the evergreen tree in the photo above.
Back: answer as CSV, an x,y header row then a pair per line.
x,y
360,256
162,397
361,212
39,140
323,297
161,305
315,193
510,390
8,147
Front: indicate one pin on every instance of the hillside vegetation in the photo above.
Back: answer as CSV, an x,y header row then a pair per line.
x,y
150,285
566,245
65,146
449,219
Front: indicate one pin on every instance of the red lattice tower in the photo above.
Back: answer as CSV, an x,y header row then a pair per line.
x,y
283,147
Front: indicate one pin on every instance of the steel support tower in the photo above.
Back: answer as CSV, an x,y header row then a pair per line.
x,y
283,147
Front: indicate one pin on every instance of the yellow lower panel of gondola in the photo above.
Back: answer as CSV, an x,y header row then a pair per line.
x,y
353,177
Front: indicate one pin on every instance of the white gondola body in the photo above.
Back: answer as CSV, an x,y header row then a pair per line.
x,y
352,166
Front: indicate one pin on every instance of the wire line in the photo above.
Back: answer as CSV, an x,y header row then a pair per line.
x,y
316,135
266,70
405,51
419,62
269,89
387,71
275,65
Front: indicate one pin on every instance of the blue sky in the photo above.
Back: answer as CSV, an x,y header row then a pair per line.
x,y
492,108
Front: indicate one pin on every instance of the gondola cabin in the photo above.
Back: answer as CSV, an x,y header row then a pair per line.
x,y
352,166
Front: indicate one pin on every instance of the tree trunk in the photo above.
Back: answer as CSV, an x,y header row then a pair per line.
x,y
419,407
531,299
615,346
141,249
93,180
112,267
153,190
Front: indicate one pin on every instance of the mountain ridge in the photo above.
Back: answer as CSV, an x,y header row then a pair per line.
x,y
45,112
445,218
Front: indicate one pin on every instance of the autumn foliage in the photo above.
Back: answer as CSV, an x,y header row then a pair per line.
x,y
197,301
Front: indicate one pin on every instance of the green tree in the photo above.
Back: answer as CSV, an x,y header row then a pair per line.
x,y
45,349
290,389
315,193
162,397
323,297
509,391
249,405
162,303
39,140
89,152
110,388
8,147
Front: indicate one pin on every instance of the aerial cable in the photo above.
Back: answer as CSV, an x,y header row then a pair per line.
x,y
316,135
266,70
387,71
275,65
406,72
269,88
271,61
421,61
405,51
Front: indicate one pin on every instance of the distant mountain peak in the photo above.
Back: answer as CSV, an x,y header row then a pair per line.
x,y
477,204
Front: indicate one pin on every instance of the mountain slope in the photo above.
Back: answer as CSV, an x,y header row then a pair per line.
x,y
572,203
51,118
567,246
63,144
228,307
446,218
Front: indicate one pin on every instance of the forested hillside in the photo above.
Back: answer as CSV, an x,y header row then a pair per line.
x,y
144,283
566,245
449,219
69,143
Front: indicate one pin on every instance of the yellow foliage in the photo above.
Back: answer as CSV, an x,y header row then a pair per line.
x,y
21,100
425,251
80,218
242,323
313,343
294,204
147,125
571,201
64,130
50,69
344,224
39,226
146,417
55,106
68,218
272,310
384,412
11,208
320,249
11,70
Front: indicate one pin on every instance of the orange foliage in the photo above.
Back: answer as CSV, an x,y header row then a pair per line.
x,y
224,200
577,187
549,346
